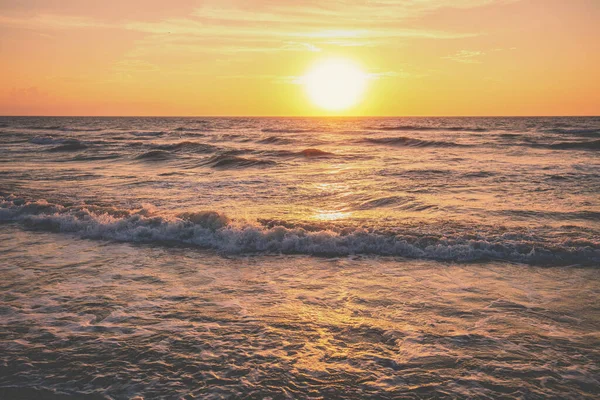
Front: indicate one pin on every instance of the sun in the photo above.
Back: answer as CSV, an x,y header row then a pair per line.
x,y
335,84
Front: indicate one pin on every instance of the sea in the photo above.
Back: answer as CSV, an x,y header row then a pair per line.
x,y
299,258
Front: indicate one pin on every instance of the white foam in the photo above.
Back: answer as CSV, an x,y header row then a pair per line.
x,y
212,230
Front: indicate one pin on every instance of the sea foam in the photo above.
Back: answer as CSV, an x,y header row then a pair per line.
x,y
216,231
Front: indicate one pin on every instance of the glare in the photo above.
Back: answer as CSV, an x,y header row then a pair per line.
x,y
331,215
335,84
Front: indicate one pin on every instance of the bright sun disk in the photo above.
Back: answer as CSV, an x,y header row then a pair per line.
x,y
335,84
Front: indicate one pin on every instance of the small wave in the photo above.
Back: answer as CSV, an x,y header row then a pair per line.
x,y
96,157
315,153
76,129
188,146
585,132
412,142
424,172
229,161
557,215
69,145
587,145
381,202
154,155
46,140
45,127
213,230
307,153
275,140
186,129
147,133
426,128
478,174
281,130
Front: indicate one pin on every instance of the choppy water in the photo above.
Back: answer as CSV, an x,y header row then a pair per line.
x,y
326,258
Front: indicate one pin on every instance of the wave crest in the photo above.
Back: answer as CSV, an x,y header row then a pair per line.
x,y
412,142
212,230
229,161
154,155
188,146
420,128
284,130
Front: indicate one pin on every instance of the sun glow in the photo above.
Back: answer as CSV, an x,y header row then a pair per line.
x,y
335,84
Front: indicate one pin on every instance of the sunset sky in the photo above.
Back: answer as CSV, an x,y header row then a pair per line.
x,y
234,57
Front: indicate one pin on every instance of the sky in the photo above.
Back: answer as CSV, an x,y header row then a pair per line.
x,y
247,57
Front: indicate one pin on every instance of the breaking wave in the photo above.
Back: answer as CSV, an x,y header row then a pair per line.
x,y
213,230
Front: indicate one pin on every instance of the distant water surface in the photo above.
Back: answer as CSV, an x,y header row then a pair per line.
x,y
299,257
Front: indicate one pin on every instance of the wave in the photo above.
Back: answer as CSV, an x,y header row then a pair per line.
x,y
46,140
154,155
216,231
188,146
146,133
315,153
412,142
381,202
585,132
587,145
275,140
81,129
62,128
96,157
284,130
229,161
426,128
69,145
306,153
45,127
186,129
557,215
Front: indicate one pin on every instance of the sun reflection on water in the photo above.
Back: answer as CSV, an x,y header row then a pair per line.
x,y
331,215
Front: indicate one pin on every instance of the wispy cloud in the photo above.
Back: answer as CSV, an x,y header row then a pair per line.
x,y
309,22
466,56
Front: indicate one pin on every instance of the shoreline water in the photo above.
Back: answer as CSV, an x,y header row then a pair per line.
x,y
148,321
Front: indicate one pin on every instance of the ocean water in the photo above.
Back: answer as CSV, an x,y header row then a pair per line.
x,y
299,257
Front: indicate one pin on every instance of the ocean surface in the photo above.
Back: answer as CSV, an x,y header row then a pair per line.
x,y
299,258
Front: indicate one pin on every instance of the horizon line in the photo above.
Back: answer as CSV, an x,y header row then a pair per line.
x,y
301,116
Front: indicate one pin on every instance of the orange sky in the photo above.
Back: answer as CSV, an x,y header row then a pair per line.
x,y
234,57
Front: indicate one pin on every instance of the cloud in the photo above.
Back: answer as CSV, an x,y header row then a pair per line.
x,y
466,56
310,22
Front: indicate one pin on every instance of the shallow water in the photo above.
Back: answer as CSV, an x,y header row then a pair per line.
x,y
324,258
